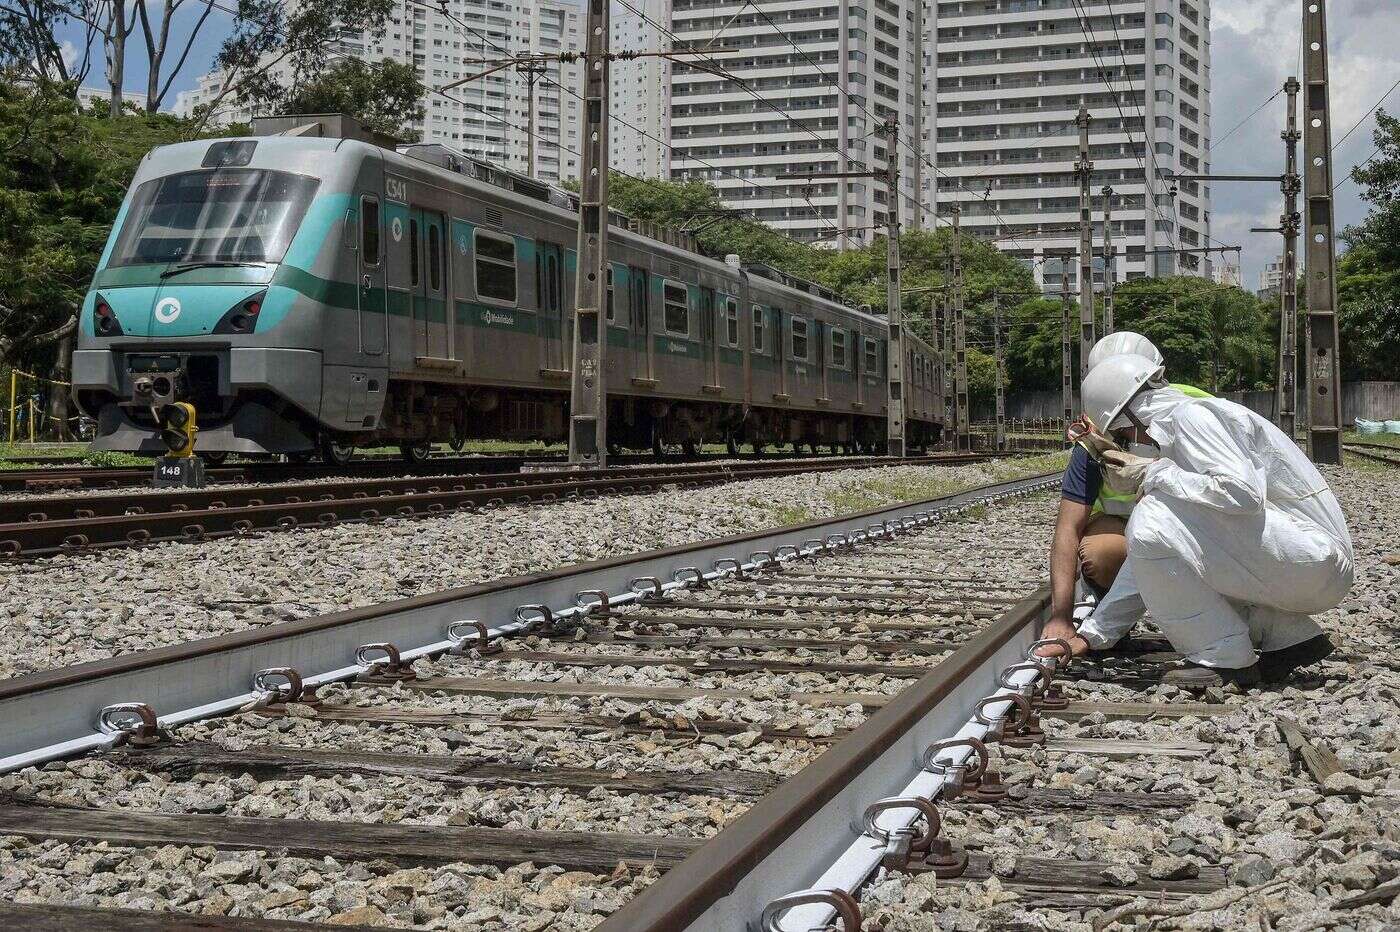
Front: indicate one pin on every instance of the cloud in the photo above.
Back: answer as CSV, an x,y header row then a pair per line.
x,y
1255,45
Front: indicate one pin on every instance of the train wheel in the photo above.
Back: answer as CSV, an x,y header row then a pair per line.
x,y
416,453
334,453
689,449
300,459
614,448
731,445
214,459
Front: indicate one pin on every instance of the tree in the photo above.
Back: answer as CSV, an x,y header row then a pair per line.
x,y
63,173
29,45
155,29
386,96
276,45
1368,275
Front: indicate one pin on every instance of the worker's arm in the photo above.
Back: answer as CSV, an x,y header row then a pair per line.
x,y
1208,466
1070,522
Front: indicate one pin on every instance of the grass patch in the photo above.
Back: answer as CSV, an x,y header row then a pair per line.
x,y
1389,440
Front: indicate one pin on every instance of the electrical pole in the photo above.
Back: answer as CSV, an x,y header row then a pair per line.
x,y
1000,373
1066,376
1086,245
588,400
960,402
532,70
950,411
1324,364
1110,261
1286,388
894,415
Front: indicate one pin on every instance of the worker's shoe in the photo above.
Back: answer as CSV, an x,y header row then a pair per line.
x,y
1195,677
1276,666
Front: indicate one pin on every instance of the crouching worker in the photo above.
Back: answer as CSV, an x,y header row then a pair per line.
x,y
1088,549
1235,539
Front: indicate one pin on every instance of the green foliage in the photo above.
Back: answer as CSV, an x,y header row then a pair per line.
x,y
386,96
63,173
1368,276
1213,336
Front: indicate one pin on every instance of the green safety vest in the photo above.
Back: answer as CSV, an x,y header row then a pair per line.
x,y
1122,505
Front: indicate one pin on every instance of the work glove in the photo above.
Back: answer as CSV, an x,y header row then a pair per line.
x,y
1123,472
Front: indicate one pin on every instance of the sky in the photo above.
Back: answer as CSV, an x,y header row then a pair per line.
x,y
1255,45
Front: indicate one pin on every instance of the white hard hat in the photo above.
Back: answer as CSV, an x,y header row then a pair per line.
x,y
1124,341
1113,383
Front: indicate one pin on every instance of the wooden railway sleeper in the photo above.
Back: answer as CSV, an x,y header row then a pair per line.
x,y
391,667
131,723
845,905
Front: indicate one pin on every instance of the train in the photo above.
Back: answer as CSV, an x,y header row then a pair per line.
x,y
311,291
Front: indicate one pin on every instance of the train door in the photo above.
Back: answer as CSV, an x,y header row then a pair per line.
x,y
549,267
374,322
417,283
433,278
708,348
641,323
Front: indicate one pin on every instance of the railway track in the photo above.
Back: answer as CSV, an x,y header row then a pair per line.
x,y
57,478
1375,452
39,526
766,721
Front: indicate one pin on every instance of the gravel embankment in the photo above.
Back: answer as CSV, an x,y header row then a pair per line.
x,y
87,606
1293,851
460,895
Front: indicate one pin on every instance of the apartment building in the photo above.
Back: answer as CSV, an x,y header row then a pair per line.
x,y
639,102
1004,81
486,117
830,71
1271,277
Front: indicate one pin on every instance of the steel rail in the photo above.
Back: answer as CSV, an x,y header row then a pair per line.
x,y
121,521
1373,452
810,834
98,505
61,477
68,711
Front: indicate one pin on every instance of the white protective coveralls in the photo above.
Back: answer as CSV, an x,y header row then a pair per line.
x,y
1235,541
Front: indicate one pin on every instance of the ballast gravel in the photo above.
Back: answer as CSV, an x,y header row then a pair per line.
x,y
496,730
1295,854
92,605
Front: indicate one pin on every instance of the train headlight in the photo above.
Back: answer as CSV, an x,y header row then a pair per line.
x,y
104,320
243,316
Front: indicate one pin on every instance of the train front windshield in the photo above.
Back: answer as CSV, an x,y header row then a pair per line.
x,y
216,215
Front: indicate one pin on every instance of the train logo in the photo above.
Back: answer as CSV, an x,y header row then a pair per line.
x,y
167,310
396,228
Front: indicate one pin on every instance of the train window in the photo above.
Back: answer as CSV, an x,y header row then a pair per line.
x,y
758,330
434,258
838,348
413,251
369,231
677,300
495,267
731,322
872,357
799,339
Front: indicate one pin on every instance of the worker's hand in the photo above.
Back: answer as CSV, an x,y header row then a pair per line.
x,y
1123,472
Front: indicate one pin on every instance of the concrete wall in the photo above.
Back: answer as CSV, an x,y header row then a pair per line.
x,y
1374,401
